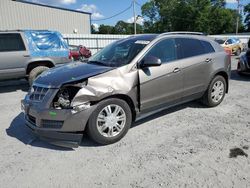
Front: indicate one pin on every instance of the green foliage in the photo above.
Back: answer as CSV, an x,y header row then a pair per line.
x,y
121,27
208,16
247,18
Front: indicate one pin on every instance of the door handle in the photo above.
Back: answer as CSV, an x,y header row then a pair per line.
x,y
208,60
26,55
176,70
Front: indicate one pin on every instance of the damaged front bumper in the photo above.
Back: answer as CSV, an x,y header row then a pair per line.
x,y
62,127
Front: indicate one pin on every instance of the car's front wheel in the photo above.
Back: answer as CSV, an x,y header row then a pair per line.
x,y
215,92
238,52
110,121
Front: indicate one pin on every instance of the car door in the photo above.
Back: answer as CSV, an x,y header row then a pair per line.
x,y
161,85
13,56
197,57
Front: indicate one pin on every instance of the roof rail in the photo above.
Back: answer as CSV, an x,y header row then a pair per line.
x,y
182,33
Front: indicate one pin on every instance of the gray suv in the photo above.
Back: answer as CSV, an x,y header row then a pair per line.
x,y
27,53
121,83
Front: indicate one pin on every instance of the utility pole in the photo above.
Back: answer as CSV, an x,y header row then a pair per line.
x,y
238,18
134,16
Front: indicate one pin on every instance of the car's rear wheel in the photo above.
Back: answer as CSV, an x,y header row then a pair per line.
x,y
239,70
110,121
34,73
215,92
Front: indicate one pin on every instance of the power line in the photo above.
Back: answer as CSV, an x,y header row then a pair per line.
x,y
117,14
138,4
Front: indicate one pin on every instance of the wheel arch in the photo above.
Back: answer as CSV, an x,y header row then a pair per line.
x,y
34,64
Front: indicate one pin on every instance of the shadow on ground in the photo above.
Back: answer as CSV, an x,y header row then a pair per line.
x,y
193,104
243,77
22,133
13,85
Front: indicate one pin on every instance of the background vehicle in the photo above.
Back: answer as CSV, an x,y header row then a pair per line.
x,y
79,52
27,53
244,62
233,44
124,81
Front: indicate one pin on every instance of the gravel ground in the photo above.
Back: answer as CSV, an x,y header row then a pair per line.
x,y
185,146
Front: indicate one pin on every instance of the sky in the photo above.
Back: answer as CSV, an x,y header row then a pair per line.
x,y
102,9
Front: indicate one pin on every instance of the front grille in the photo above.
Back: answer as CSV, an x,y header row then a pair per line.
x,y
31,119
38,93
52,124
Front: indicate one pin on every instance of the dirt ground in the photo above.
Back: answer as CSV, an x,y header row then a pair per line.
x,y
185,146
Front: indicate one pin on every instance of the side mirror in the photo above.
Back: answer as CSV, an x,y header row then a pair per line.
x,y
150,61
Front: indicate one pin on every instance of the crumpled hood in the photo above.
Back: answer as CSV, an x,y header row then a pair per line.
x,y
71,72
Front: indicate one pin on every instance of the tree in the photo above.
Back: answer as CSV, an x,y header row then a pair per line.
x,y
93,29
107,29
209,16
247,18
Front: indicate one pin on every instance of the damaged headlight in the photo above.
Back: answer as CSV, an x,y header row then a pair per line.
x,y
65,96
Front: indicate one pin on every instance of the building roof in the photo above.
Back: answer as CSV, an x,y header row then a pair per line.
x,y
37,4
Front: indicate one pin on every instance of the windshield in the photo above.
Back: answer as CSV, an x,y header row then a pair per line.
x,y
118,53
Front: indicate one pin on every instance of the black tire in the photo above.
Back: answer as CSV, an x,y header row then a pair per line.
x,y
207,97
92,129
238,52
36,72
239,72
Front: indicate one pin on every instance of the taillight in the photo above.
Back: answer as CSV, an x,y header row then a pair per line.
x,y
70,55
228,51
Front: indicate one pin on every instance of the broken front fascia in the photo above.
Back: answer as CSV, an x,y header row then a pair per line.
x,y
114,82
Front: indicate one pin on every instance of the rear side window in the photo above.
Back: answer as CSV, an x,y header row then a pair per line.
x,y
165,50
189,47
207,47
11,42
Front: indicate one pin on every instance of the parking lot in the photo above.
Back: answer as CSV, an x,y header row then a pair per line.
x,y
185,146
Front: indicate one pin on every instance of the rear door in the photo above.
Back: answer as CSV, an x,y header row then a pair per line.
x,y
13,56
197,58
161,85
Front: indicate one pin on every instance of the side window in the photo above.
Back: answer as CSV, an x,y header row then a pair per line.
x,y
190,47
165,50
229,41
11,42
207,47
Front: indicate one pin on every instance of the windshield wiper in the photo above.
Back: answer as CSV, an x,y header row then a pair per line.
x,y
97,63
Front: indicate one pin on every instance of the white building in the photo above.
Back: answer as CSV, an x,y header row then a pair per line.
x,y
19,14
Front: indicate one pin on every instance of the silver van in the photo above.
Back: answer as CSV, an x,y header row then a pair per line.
x,y
124,81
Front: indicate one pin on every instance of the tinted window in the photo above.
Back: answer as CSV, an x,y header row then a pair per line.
x,y
165,50
229,41
190,47
11,42
207,47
